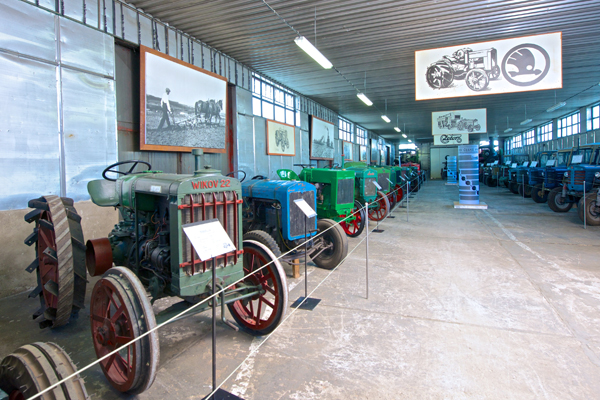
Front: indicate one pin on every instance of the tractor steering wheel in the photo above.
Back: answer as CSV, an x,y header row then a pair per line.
x,y
335,165
259,177
116,171
304,165
232,173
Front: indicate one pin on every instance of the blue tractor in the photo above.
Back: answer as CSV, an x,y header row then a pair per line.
x,y
584,164
549,175
272,217
528,177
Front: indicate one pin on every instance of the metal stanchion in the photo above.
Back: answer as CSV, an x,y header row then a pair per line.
x,y
584,210
306,303
367,255
407,198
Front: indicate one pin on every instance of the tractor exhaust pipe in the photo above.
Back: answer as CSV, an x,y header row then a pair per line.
x,y
198,160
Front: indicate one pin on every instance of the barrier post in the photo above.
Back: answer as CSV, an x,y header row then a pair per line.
x,y
584,210
407,198
367,255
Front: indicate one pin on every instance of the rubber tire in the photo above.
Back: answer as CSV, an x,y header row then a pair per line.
x,y
590,202
513,187
492,182
266,239
559,208
527,191
535,194
330,260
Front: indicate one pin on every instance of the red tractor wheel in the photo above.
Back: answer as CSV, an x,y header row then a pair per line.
x,y
380,208
120,312
354,228
261,314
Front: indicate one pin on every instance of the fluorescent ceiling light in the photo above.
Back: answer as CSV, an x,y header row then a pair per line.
x,y
525,122
365,99
312,51
404,136
397,129
409,141
507,130
385,118
556,106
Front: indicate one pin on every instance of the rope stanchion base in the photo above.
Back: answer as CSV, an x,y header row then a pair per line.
x,y
378,230
306,303
221,394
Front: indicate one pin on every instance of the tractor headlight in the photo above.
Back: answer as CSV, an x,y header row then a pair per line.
x,y
597,175
543,173
566,174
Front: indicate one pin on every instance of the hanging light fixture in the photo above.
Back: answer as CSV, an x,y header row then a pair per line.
x,y
396,127
312,51
556,106
526,120
404,134
385,117
363,96
507,128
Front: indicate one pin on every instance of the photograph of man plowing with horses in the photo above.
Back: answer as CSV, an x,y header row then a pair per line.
x,y
184,106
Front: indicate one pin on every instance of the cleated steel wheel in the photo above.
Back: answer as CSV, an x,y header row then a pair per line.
x,y
120,312
35,367
591,209
354,228
262,313
60,259
380,208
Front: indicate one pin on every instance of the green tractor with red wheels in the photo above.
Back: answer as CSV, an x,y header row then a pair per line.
x,y
368,190
335,195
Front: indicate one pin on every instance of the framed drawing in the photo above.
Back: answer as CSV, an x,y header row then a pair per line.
x,y
321,139
182,107
374,151
281,139
347,149
363,153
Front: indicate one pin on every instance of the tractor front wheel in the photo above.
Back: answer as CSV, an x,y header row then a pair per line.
x,y
477,79
591,209
527,190
513,187
333,240
380,208
538,194
556,202
354,228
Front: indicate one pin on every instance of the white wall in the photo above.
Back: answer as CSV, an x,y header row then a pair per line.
x,y
438,156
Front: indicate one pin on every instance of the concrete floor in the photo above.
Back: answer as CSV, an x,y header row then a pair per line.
x,y
501,303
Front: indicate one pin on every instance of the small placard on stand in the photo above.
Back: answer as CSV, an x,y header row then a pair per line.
x,y
309,303
208,238
377,185
221,394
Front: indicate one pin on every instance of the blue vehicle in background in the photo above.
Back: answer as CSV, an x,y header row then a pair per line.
x,y
550,175
528,176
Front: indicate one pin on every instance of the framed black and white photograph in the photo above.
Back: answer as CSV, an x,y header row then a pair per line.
x,y
347,150
182,107
501,66
321,139
363,153
281,139
459,121
374,151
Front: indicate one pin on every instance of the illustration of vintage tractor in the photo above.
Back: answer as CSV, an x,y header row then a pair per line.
x,y
468,124
476,67
271,217
281,139
335,195
152,254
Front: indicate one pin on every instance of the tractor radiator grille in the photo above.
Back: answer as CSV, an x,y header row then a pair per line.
x,y
579,177
345,192
225,206
370,188
536,175
382,179
297,216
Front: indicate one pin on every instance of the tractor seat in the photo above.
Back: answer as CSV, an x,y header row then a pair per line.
x,y
103,193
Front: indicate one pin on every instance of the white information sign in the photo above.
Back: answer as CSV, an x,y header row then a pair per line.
x,y
306,208
533,164
550,163
377,185
495,162
577,159
450,139
208,238
525,164
507,162
458,121
514,165
501,66
391,183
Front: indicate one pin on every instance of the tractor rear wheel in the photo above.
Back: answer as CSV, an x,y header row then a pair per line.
x,y
261,314
380,208
538,194
34,367
354,228
556,202
591,210
119,313
266,239
439,75
492,182
60,259
333,240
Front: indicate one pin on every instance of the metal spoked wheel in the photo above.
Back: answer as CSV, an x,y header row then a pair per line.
x,y
35,367
477,79
60,259
591,209
331,246
262,313
355,227
380,207
439,76
119,313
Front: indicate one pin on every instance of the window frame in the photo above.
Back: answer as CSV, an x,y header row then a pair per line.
x,y
361,135
529,137
283,104
593,121
345,130
573,127
543,134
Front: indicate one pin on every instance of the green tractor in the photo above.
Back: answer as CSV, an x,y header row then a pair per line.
x,y
335,195
148,251
368,190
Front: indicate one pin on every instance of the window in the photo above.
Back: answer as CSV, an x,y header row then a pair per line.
x,y
528,135
407,146
345,129
568,125
517,142
544,132
507,147
272,101
361,136
487,143
593,117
